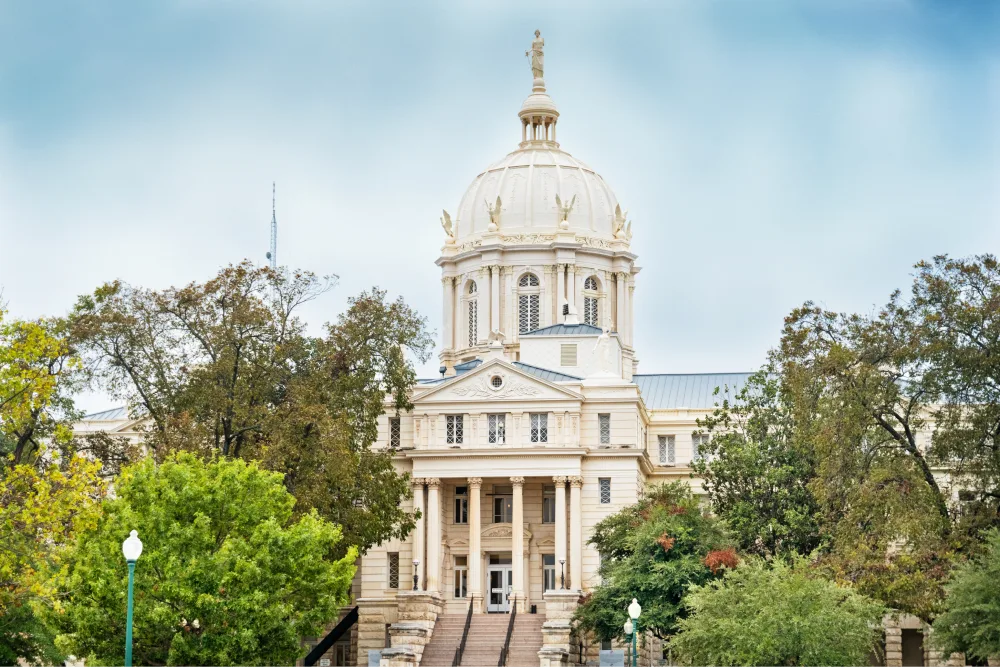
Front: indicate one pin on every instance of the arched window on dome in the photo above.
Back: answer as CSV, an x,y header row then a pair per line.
x,y
472,312
591,302
528,297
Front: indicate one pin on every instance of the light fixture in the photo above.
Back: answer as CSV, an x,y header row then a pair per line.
x,y
634,610
132,547
628,627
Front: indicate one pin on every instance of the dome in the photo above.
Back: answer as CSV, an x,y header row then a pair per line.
x,y
527,182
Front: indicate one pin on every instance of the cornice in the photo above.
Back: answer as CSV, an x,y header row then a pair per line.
x,y
512,453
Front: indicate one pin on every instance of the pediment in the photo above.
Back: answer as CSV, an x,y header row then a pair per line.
x,y
480,384
503,530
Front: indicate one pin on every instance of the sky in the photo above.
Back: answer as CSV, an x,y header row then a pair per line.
x,y
768,152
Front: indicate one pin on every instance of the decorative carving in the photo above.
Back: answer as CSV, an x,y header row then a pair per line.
x,y
469,245
559,479
433,482
475,482
483,388
500,530
449,228
517,481
494,212
527,238
417,481
575,481
496,336
594,242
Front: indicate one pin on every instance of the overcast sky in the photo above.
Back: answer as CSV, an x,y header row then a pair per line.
x,y
768,152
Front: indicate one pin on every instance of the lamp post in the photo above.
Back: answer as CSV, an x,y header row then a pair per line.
x,y
562,573
131,549
416,564
628,633
633,614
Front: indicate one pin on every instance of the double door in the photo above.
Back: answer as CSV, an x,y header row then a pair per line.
x,y
500,583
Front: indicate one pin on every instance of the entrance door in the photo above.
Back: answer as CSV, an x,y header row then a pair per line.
x,y
500,580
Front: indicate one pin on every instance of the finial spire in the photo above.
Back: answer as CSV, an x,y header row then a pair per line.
x,y
272,255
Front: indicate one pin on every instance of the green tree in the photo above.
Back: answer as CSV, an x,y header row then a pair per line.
x,y
776,613
755,472
226,367
970,622
227,575
652,551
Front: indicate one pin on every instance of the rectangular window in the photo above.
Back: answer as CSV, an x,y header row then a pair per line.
x,y
606,645
503,504
668,450
698,442
590,311
539,427
461,504
454,432
473,322
605,486
394,432
549,569
567,354
461,576
498,429
604,426
527,313
393,562
548,504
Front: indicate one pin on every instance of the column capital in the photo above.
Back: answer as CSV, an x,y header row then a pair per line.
x,y
575,481
559,479
517,481
417,481
447,280
475,482
432,482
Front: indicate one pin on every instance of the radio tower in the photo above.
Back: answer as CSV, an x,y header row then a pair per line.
x,y
272,255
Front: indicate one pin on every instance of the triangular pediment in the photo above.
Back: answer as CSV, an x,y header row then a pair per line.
x,y
482,384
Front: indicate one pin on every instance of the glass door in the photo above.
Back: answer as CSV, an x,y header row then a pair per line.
x,y
500,580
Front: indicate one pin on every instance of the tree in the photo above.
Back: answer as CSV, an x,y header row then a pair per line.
x,y
227,574
970,622
755,472
776,613
226,368
652,551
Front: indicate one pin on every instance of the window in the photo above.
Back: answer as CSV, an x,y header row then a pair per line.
x,y
461,576
604,427
527,303
549,569
461,504
454,434
539,427
591,313
503,504
590,284
528,280
498,429
698,442
606,645
548,504
473,323
567,354
393,562
605,485
394,432
668,451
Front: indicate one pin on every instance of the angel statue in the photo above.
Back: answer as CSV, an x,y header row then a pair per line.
x,y
537,55
621,220
494,212
496,336
564,211
449,228
603,349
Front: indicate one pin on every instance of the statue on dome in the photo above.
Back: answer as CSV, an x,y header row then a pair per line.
x,y
622,226
494,212
449,228
537,55
564,211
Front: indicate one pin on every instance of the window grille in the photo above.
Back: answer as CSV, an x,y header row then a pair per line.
x,y
472,288
698,442
668,451
461,576
527,312
473,323
454,430
604,426
393,560
590,283
567,354
590,312
394,432
549,568
539,427
461,504
498,429
528,280
549,504
605,486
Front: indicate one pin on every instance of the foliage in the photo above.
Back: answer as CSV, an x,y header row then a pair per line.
x,y
653,551
221,547
755,473
777,613
226,367
970,622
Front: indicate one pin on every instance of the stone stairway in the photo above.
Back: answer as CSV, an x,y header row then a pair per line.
x,y
486,635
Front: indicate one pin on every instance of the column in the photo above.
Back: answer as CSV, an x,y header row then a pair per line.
x,y
571,285
560,530
475,545
631,310
576,532
449,316
560,291
433,534
418,530
517,543
495,298
620,304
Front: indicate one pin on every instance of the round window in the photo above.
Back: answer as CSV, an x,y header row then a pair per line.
x,y
496,381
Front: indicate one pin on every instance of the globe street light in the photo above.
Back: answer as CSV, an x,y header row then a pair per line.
x,y
628,633
634,610
131,549
562,573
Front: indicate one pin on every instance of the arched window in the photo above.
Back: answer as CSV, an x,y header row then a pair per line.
x,y
591,302
472,288
472,313
527,303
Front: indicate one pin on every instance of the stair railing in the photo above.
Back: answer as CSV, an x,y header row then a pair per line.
x,y
510,630
324,645
457,660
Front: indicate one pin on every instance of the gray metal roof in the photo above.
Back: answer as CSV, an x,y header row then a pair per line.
x,y
114,414
566,330
545,373
687,390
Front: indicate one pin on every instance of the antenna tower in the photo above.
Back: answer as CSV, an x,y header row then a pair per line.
x,y
273,254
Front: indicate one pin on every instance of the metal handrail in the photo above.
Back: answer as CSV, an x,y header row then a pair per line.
x,y
457,660
510,631
324,645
